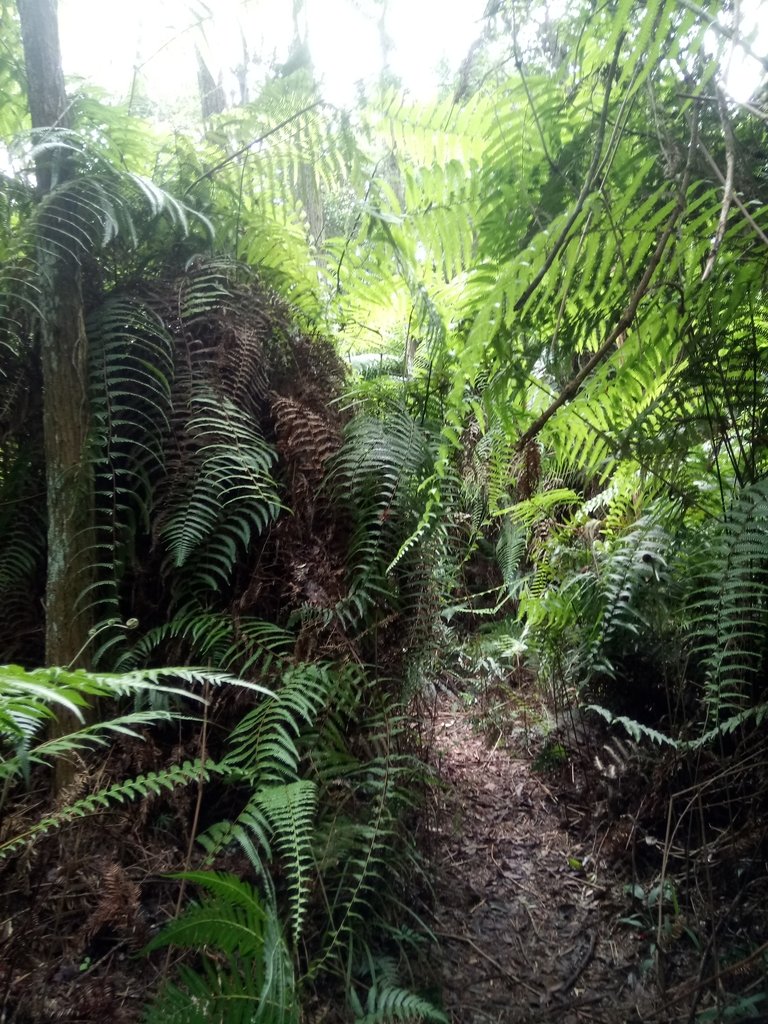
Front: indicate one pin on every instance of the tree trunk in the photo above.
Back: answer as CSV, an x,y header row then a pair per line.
x,y
63,355
212,99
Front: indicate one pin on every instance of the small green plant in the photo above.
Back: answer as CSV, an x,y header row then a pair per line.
x,y
245,974
551,758
658,918
735,1008
322,829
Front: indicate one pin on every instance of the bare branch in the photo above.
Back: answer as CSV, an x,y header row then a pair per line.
x,y
587,187
730,164
735,196
624,322
254,142
723,30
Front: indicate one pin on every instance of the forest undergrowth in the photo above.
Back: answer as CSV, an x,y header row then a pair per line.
x,y
295,832
561,894
384,535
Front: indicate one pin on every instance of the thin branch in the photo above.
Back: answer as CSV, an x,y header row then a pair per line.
x,y
742,208
730,165
249,145
196,816
723,30
587,187
749,107
168,42
531,104
503,971
348,240
624,323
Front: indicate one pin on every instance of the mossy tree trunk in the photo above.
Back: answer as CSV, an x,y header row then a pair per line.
x,y
63,355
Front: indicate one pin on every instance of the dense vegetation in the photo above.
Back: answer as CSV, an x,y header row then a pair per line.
x,y
551,462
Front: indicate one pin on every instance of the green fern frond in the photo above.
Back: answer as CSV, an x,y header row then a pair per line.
x,y
249,980
510,551
636,730
223,492
727,605
636,561
289,811
387,1003
202,924
378,471
279,815
131,370
138,788
249,647
265,743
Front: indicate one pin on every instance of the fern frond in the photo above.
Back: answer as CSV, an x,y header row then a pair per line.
x,y
387,1003
728,605
138,788
249,980
289,811
224,485
264,743
636,730
280,815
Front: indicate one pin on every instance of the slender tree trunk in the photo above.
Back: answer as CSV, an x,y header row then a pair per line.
x,y
212,99
63,355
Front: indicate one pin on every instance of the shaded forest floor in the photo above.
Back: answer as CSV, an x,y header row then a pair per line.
x,y
528,903
536,866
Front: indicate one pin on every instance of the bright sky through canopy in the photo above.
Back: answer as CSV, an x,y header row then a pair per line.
x,y
103,41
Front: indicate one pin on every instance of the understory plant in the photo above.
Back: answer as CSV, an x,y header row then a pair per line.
x,y
30,702
322,825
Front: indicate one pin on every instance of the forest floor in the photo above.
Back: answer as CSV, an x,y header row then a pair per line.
x,y
536,867
528,907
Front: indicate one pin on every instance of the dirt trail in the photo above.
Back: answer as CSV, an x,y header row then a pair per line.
x,y
527,935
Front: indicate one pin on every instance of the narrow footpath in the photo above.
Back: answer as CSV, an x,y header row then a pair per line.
x,y
526,910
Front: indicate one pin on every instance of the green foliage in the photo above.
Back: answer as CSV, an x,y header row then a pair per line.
x,y
579,393
380,470
406,547
264,744
727,606
110,798
246,974
222,490
320,825
30,701
386,1001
